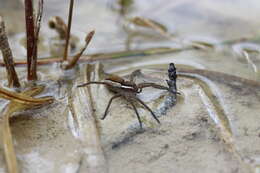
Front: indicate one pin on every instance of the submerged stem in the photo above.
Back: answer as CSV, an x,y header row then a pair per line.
x,y
8,143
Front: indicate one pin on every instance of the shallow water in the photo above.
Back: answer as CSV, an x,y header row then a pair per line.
x,y
214,126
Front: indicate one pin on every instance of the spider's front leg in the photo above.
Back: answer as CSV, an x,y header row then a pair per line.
x,y
153,85
118,79
93,82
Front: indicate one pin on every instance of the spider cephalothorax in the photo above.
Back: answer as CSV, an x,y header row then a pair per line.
x,y
128,89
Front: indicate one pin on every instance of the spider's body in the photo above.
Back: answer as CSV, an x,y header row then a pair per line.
x,y
129,90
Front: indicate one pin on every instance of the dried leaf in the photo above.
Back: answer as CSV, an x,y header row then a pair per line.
x,y
24,99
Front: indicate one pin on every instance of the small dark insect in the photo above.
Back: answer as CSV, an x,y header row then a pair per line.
x,y
128,89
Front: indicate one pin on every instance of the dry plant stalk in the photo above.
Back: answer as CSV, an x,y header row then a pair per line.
x,y
68,31
75,59
58,24
38,19
18,102
33,70
29,19
106,56
32,33
13,80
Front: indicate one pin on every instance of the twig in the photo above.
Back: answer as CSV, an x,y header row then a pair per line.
x,y
13,80
33,70
107,56
75,59
39,19
30,34
68,31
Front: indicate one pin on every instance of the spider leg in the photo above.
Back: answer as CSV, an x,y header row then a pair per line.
x,y
108,105
137,114
154,116
153,85
93,82
146,84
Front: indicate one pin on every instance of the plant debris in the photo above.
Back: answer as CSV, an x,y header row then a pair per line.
x,y
149,23
32,34
68,30
18,102
76,58
13,80
59,25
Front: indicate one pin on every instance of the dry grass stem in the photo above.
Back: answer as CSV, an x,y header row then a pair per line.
x,y
30,35
68,31
13,80
106,56
75,59
33,70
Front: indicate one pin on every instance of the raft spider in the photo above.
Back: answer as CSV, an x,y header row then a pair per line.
x,y
128,89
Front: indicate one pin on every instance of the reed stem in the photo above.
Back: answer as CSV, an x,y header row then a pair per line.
x,y
76,58
13,80
30,35
68,31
